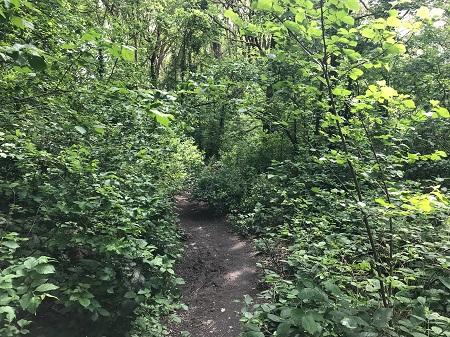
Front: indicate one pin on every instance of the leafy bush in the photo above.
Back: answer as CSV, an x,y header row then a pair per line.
x,y
89,230
325,129
225,181
354,226
318,262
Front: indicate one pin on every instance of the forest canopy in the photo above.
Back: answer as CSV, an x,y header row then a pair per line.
x,y
320,128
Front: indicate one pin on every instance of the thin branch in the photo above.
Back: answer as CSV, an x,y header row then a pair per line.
x,y
349,162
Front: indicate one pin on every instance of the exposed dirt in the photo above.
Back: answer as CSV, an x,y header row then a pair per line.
x,y
219,268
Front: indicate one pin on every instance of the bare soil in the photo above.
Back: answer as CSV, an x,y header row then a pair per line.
x,y
219,268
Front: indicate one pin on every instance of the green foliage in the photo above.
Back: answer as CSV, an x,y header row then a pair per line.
x,y
324,125
97,202
225,181
89,164
353,216
318,262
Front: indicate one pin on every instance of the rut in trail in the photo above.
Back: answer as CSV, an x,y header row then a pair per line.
x,y
218,268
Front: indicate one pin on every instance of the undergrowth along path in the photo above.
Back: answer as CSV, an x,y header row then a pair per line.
x,y
219,268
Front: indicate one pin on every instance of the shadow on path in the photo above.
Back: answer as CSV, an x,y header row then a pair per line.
x,y
218,268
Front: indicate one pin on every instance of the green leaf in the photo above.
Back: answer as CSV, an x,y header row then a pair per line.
x,y
30,263
284,329
388,92
85,302
355,73
15,3
339,91
46,287
69,46
264,5
373,285
409,103
10,244
348,20
23,323
308,4
354,55
395,49
274,318
293,26
344,17
36,62
314,31
21,23
383,202
425,205
332,287
45,268
30,303
100,129
80,129
382,316
350,322
352,4
128,53
90,35
162,118
312,294
437,330
442,112
393,21
445,281
235,18
103,312
418,334
300,16
437,155
368,33
9,311
310,324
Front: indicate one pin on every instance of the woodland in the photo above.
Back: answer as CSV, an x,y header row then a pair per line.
x,y
318,128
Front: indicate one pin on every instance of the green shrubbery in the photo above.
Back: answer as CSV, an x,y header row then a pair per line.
x,y
88,227
353,219
325,129
226,180
318,261
88,171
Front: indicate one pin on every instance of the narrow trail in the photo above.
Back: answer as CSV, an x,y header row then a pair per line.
x,y
218,268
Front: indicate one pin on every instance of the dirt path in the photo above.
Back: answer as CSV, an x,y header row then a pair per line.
x,y
218,268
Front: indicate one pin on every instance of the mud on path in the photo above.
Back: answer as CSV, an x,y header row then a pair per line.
x,y
218,268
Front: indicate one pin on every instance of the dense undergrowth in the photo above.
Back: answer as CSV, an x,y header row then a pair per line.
x,y
324,127
318,259
88,171
90,228
341,178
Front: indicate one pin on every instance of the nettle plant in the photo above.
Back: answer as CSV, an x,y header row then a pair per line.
x,y
349,54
